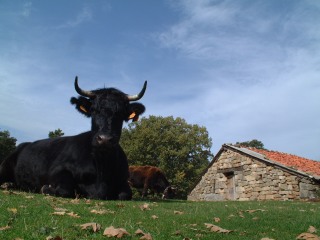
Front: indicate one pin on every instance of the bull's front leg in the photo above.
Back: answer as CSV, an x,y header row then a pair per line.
x,y
145,189
58,191
61,184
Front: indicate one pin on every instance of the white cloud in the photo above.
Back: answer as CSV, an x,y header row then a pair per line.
x,y
260,71
227,30
198,34
27,8
84,16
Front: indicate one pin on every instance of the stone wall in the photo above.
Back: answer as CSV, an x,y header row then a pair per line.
x,y
235,176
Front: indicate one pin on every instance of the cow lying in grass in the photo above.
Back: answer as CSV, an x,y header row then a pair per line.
x,y
91,164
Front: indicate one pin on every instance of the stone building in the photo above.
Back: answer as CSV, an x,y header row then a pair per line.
x,y
238,173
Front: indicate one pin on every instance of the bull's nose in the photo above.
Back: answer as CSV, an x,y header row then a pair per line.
x,y
103,139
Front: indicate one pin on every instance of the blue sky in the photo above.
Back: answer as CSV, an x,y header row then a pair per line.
x,y
244,69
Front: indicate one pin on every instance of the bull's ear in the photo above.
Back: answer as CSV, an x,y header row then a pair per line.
x,y
135,109
83,105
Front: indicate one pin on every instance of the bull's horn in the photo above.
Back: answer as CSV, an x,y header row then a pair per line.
x,y
83,93
140,95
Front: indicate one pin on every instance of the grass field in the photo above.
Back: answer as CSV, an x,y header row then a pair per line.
x,y
33,216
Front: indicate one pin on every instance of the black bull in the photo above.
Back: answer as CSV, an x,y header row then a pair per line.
x,y
91,164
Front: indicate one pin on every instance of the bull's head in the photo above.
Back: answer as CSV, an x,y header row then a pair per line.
x,y
108,108
169,192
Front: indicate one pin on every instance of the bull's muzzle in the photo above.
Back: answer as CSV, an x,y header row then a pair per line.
x,y
103,140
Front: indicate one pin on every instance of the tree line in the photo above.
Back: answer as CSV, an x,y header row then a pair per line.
x,y
180,149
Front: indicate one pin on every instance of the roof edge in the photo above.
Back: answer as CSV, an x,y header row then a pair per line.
x,y
262,158
206,169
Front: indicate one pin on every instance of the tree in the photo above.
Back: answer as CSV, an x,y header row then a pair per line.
x,y
7,144
56,133
253,143
180,149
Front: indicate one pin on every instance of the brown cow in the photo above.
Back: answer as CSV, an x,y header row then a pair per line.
x,y
148,177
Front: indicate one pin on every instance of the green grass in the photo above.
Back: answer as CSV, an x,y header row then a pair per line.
x,y
30,216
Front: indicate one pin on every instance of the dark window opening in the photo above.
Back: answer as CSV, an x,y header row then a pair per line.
x,y
229,174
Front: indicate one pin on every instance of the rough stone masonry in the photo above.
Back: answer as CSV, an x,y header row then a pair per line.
x,y
237,175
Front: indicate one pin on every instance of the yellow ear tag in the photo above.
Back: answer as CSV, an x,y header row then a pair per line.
x,y
132,115
83,109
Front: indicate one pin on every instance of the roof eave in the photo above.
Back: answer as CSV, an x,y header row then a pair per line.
x,y
270,162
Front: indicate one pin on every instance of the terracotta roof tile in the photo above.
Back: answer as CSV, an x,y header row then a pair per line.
x,y
299,163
